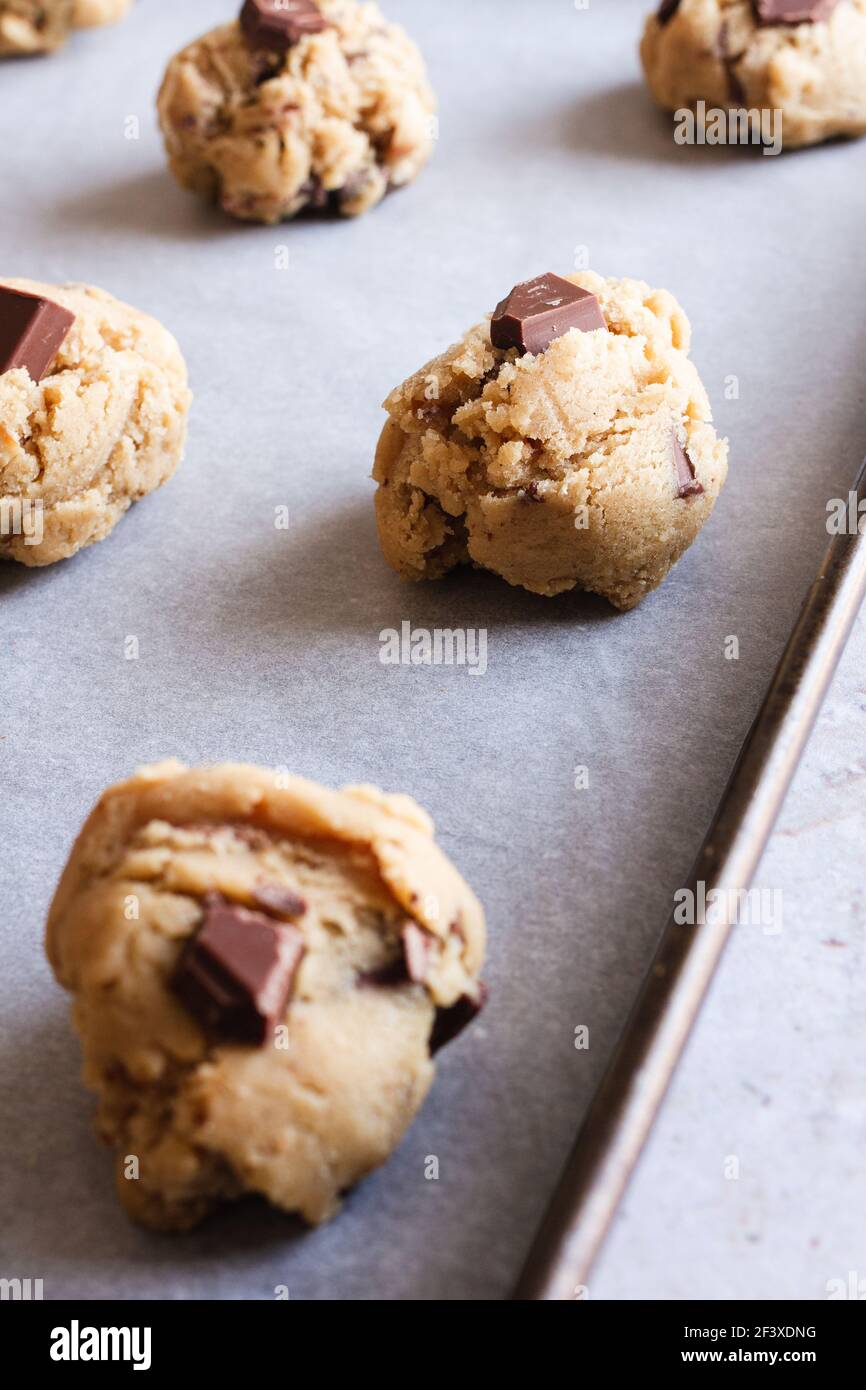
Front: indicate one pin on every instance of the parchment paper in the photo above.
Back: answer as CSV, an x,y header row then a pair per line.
x,y
263,645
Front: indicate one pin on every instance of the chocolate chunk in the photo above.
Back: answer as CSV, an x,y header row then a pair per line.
x,y
314,193
32,330
449,1023
416,952
729,60
793,11
538,311
667,10
687,483
279,900
490,375
353,187
413,965
279,24
236,974
385,976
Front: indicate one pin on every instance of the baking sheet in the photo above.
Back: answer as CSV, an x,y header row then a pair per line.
x,y
263,645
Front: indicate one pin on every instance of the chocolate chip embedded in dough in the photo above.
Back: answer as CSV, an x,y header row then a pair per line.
x,y
315,195
357,186
538,311
413,964
280,24
387,976
729,59
279,900
666,11
32,330
793,11
687,483
449,1023
237,972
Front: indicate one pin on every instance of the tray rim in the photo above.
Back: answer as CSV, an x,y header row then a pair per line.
x,y
629,1097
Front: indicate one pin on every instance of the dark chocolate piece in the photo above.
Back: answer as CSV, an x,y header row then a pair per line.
x,y
280,24
449,1023
538,311
667,10
729,60
385,976
315,194
279,900
236,974
355,184
793,11
413,964
32,330
687,483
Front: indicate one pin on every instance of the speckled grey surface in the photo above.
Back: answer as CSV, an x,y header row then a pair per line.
x,y
263,645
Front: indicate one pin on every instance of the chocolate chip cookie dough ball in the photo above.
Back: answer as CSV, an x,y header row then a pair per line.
x,y
804,58
40,26
298,106
261,971
563,443
93,412
89,13
34,26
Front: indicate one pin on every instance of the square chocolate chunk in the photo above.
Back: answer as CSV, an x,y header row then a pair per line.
x,y
32,330
236,975
538,311
280,24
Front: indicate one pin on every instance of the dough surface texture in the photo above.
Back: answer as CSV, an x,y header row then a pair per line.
x,y
106,426
556,470
333,123
716,51
40,26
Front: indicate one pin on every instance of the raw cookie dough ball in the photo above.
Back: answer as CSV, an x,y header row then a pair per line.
x,y
739,54
582,455
332,121
261,970
89,13
34,26
88,433
39,26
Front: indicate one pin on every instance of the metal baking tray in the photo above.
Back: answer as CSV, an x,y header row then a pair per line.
x,y
263,645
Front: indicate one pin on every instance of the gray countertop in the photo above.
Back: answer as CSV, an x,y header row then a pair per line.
x,y
263,645
773,1074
